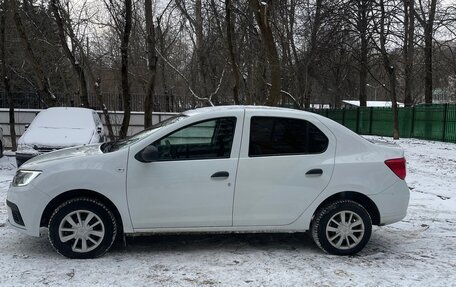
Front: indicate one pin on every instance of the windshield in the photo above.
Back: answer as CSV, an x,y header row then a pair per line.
x,y
116,145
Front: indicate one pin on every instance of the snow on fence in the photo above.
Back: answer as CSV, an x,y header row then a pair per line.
x,y
26,116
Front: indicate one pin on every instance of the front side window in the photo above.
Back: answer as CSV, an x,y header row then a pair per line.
x,y
273,136
204,140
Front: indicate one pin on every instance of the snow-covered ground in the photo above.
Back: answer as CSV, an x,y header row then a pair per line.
x,y
420,250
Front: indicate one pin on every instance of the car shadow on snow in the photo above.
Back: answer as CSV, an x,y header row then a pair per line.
x,y
243,243
219,242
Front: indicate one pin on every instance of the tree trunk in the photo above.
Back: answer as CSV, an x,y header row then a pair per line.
x,y
9,96
40,78
99,95
390,69
152,64
262,17
409,50
79,71
124,45
169,106
428,85
428,27
393,84
229,35
363,69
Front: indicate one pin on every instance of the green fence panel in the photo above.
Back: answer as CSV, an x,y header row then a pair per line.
x,y
364,126
405,116
336,115
429,122
450,124
351,119
382,122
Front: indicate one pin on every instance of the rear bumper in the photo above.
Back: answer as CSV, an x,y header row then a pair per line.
x,y
392,203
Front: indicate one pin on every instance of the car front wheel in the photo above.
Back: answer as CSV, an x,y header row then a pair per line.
x,y
342,227
82,228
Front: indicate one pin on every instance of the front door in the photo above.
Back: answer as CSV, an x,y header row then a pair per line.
x,y
192,183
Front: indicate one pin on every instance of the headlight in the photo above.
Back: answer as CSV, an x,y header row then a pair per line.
x,y
24,177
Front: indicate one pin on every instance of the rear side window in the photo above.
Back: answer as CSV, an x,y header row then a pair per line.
x,y
272,136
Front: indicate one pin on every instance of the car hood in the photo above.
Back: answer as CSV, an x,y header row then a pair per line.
x,y
56,137
80,151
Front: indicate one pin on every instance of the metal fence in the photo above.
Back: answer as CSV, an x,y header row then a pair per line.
x,y
113,101
431,122
26,116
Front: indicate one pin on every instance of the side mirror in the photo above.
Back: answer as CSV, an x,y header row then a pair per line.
x,y
149,154
99,129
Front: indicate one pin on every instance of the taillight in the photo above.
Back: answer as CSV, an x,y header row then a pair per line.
x,y
397,165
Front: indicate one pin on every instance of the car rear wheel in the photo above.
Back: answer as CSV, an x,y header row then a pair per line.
x,y
82,228
342,227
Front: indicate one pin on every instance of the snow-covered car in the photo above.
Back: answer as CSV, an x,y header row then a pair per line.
x,y
57,128
218,169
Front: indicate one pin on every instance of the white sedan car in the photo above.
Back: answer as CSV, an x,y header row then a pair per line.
x,y
220,169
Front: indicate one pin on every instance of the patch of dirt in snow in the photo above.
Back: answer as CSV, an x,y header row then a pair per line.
x,y
418,250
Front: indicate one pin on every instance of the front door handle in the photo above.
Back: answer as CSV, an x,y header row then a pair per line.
x,y
316,172
221,174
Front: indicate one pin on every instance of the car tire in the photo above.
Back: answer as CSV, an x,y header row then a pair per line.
x,y
342,227
82,228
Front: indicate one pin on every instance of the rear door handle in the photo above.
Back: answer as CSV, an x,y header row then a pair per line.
x,y
316,172
221,174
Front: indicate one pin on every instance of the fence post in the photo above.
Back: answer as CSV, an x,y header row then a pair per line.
x,y
343,117
357,120
371,120
413,123
445,110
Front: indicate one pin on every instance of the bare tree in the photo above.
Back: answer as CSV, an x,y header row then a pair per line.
x,y
196,24
426,18
230,33
409,49
152,64
71,55
122,15
261,10
40,78
4,74
384,31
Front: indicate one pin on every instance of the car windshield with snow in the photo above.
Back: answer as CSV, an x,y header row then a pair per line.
x,y
57,128
218,169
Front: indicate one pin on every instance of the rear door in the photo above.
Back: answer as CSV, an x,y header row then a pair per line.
x,y
285,162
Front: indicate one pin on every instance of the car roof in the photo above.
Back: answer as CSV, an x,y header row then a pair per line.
x,y
216,109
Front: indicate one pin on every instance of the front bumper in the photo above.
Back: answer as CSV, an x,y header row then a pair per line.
x,y
25,207
392,203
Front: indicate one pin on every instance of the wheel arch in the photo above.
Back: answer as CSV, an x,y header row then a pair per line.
x,y
61,198
357,197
